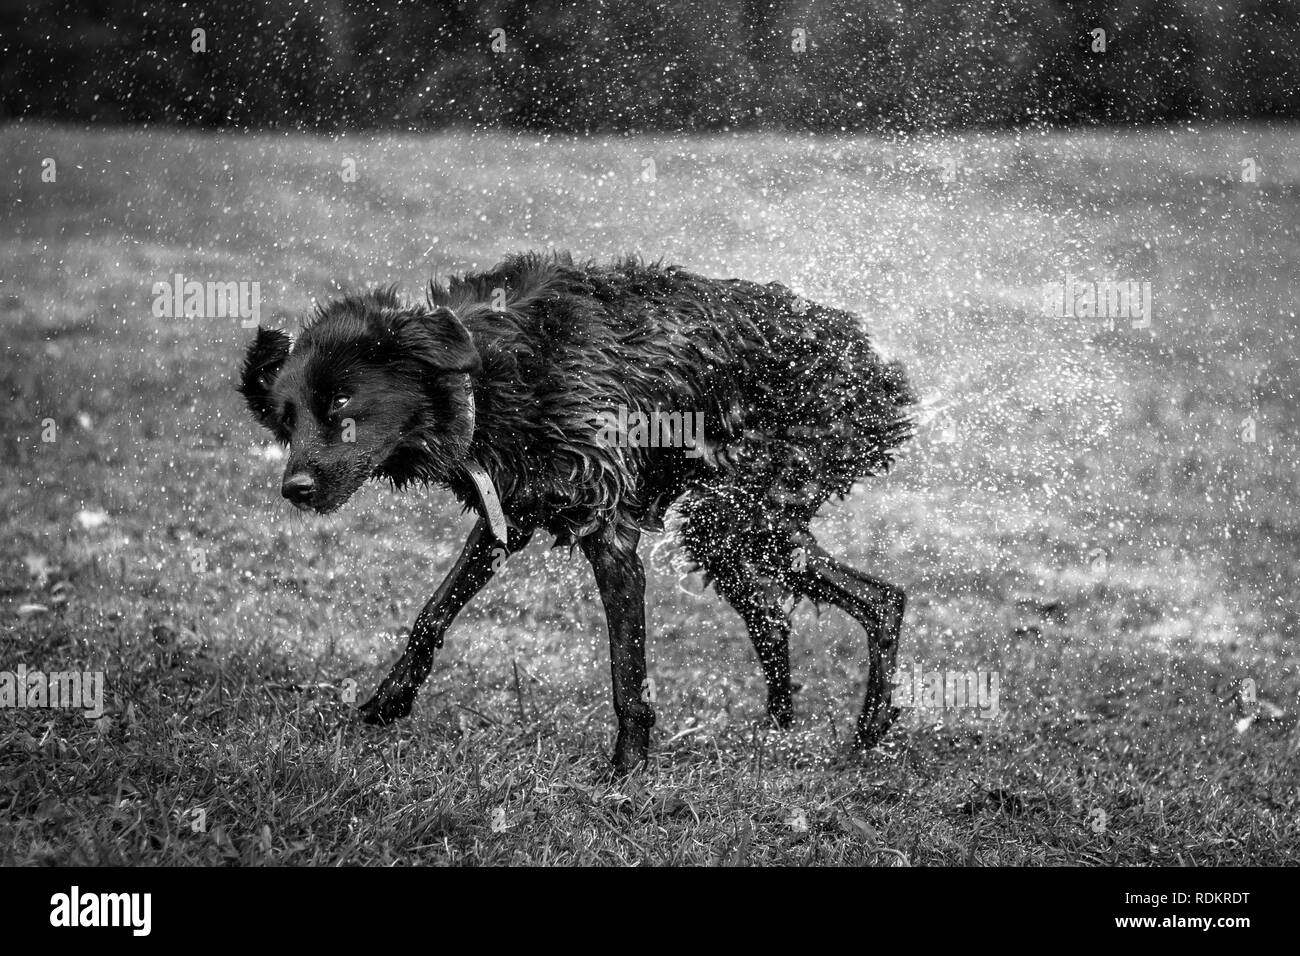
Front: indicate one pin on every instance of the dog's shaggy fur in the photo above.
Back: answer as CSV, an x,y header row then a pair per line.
x,y
512,372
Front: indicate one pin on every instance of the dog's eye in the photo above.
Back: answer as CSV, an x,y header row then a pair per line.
x,y
339,401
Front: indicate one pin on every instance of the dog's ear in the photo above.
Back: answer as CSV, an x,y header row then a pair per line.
x,y
438,340
266,355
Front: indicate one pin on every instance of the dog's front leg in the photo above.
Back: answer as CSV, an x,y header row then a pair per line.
x,y
621,580
477,563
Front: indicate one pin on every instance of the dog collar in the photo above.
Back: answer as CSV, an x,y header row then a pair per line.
x,y
488,500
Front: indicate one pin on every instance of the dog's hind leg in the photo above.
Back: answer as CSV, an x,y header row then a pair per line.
x,y
620,578
878,607
477,563
765,609
742,559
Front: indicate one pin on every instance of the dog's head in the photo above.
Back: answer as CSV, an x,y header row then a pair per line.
x,y
371,388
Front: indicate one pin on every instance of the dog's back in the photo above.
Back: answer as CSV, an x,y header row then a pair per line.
x,y
794,404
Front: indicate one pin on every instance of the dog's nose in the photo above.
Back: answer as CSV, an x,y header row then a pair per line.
x,y
298,488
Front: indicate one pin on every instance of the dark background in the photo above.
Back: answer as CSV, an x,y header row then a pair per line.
x,y
670,65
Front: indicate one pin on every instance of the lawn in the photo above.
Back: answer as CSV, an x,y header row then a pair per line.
x,y
1082,512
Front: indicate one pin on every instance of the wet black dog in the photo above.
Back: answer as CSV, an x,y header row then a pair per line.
x,y
584,400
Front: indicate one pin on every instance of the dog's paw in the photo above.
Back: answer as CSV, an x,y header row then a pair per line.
x,y
779,723
627,765
384,709
631,751
873,729
780,716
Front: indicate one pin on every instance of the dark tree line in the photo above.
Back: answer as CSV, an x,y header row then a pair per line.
x,y
589,65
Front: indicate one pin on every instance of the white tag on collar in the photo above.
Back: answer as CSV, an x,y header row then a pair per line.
x,y
489,502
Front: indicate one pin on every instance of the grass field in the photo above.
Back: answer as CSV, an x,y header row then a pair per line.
x,y
1080,512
